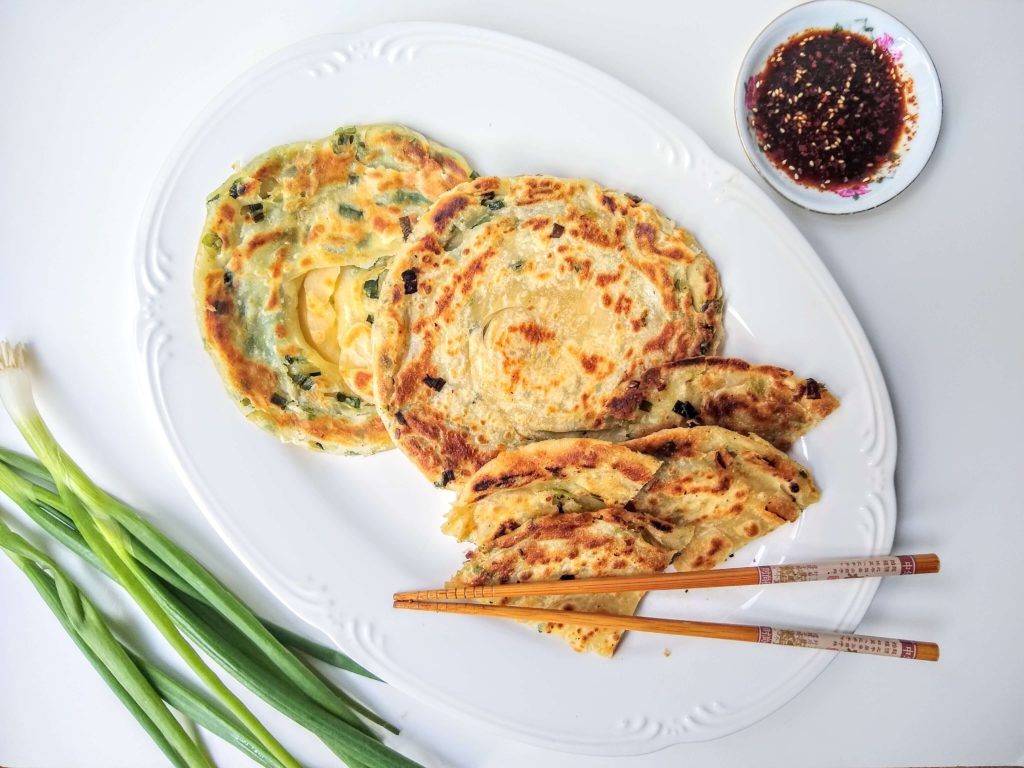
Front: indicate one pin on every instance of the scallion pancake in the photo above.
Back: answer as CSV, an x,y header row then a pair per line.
x,y
519,309
286,278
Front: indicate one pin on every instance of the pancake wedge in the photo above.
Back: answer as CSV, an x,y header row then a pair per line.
x,y
520,308
606,542
727,489
761,400
287,269
546,478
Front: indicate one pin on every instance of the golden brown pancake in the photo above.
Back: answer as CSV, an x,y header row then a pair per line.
x,y
521,307
287,269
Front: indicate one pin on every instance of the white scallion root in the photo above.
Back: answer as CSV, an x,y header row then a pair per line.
x,y
11,355
15,385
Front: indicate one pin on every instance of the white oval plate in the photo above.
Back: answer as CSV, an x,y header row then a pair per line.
x,y
915,147
333,537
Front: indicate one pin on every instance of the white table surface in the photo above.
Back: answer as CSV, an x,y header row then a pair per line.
x,y
94,94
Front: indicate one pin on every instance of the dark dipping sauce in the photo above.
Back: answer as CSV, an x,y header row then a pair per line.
x,y
828,108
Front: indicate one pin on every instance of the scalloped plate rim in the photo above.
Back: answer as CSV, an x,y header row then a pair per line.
x,y
800,249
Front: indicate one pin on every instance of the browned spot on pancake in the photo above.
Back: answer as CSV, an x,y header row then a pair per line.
x,y
427,437
257,241
411,150
226,211
363,379
273,302
535,189
783,508
606,299
280,330
589,230
646,240
448,210
623,305
268,169
486,183
633,470
751,529
607,278
410,377
590,362
608,202
380,224
314,232
537,334
664,338
277,266
330,168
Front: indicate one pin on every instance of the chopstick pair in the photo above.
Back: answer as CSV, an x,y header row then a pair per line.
x,y
439,600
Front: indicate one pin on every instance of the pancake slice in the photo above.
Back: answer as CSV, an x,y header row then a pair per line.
x,y
727,489
536,513
571,545
761,400
545,478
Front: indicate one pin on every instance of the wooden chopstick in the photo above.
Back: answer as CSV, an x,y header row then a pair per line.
x,y
830,641
850,568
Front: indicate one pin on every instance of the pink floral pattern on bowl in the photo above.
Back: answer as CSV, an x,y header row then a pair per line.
x,y
885,42
854,192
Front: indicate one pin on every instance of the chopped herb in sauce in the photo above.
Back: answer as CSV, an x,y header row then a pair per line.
x,y
494,205
557,230
237,188
229,278
406,223
371,288
400,418
212,240
349,212
446,477
635,198
812,390
279,400
409,280
349,400
566,577
646,406
434,382
369,319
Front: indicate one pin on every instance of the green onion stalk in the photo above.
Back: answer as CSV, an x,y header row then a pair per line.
x,y
181,598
